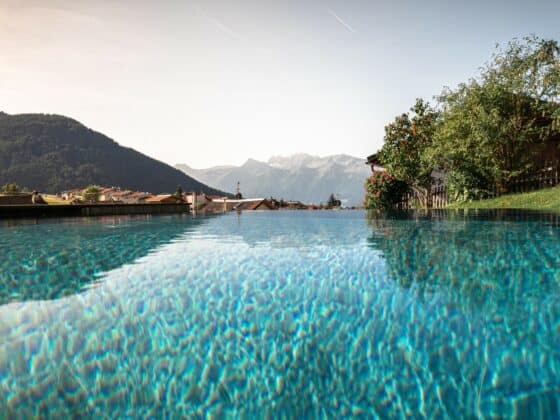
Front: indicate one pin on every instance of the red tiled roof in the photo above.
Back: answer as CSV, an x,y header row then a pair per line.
x,y
140,194
163,198
122,193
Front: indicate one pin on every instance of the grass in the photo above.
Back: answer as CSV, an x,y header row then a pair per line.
x,y
53,199
546,199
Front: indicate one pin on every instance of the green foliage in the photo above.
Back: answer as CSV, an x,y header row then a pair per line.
x,y
383,191
53,153
405,153
91,193
179,192
333,202
486,132
493,128
10,188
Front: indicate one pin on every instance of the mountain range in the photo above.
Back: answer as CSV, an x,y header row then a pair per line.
x,y
303,177
52,153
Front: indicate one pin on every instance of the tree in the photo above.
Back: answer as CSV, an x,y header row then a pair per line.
x,y
91,193
179,192
333,202
10,188
493,128
406,148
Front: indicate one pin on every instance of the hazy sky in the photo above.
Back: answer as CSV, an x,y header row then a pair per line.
x,y
218,81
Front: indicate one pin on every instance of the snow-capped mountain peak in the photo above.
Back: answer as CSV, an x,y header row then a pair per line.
x,y
301,176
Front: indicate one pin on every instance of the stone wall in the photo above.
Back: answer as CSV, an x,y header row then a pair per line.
x,y
88,210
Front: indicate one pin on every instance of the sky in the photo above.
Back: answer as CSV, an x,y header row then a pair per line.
x,y
216,82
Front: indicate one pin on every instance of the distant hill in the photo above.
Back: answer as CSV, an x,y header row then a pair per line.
x,y
51,153
302,177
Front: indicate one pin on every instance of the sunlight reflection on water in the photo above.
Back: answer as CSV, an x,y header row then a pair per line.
x,y
314,314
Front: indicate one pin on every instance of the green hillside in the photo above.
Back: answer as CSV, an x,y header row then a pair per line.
x,y
52,153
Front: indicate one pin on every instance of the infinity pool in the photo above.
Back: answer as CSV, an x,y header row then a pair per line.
x,y
282,315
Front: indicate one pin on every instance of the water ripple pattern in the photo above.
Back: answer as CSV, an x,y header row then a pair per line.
x,y
281,315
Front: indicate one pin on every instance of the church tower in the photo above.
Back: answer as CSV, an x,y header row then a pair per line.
x,y
238,195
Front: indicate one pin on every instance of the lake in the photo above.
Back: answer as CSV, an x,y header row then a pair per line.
x,y
282,314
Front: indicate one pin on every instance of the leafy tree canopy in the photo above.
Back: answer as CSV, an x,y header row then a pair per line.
x,y
10,188
179,192
485,133
407,144
91,193
493,128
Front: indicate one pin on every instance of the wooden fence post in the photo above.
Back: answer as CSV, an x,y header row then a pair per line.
x,y
547,176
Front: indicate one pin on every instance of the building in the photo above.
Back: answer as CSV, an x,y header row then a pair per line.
x,y
196,200
260,204
374,162
226,205
238,195
295,205
164,199
116,195
106,194
139,197
21,199
121,196
216,197
72,195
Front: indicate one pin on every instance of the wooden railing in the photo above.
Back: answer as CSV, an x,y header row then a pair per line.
x,y
547,176
415,199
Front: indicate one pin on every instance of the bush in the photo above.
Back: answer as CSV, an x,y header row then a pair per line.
x,y
383,191
10,188
464,186
91,193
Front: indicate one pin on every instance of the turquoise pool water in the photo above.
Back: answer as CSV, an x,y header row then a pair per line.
x,y
281,315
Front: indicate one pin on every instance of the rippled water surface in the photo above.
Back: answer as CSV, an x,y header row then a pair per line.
x,y
281,315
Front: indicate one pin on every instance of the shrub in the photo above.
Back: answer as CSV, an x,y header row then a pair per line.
x,y
10,188
383,191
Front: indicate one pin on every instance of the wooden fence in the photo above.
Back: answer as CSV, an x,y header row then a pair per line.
x,y
416,199
547,176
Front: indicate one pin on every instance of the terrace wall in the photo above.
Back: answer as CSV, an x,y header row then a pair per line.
x,y
89,210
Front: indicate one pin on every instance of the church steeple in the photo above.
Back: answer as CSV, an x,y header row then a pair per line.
x,y
238,194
